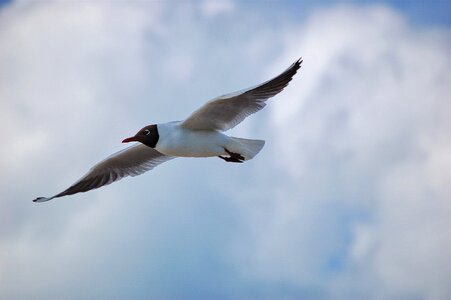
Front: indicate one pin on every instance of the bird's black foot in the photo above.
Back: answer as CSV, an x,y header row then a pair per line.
x,y
234,157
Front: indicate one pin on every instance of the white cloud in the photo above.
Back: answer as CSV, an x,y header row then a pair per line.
x,y
213,8
349,198
365,131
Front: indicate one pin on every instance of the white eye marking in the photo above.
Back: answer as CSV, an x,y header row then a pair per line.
x,y
146,131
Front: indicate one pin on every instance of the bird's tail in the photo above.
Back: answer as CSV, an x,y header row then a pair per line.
x,y
246,147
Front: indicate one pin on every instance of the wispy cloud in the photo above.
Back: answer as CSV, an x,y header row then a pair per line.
x,y
215,8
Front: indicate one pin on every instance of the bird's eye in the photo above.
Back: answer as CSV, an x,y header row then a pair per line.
x,y
146,131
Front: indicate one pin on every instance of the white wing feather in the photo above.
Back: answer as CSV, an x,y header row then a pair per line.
x,y
131,161
227,111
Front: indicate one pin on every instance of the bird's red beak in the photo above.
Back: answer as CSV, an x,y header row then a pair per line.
x,y
130,139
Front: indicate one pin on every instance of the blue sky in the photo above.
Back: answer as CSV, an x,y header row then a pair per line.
x,y
437,12
349,199
429,13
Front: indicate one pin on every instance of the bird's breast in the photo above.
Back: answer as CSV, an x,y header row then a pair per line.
x,y
177,141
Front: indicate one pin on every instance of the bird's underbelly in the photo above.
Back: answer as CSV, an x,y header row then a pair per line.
x,y
186,143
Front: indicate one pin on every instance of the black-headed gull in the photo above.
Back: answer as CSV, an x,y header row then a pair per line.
x,y
200,135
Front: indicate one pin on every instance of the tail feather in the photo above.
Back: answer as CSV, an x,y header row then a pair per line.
x,y
246,147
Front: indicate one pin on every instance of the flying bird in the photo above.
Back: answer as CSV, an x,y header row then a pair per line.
x,y
200,135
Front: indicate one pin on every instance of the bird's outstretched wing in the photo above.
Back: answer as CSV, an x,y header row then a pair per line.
x,y
131,161
227,111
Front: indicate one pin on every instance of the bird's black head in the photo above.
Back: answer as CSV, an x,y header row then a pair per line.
x,y
148,136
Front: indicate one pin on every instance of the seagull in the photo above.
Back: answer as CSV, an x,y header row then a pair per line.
x,y
200,135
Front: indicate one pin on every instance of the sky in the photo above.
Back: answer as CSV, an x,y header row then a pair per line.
x,y
349,199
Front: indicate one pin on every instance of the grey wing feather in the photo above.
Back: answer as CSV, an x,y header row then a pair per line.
x,y
131,161
227,111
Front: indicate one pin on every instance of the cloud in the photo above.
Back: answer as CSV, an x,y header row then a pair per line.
x,y
362,142
349,198
215,8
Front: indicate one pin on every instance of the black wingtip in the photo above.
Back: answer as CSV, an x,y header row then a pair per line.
x,y
295,66
299,62
40,199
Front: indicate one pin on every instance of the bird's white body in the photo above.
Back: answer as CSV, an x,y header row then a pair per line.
x,y
178,141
